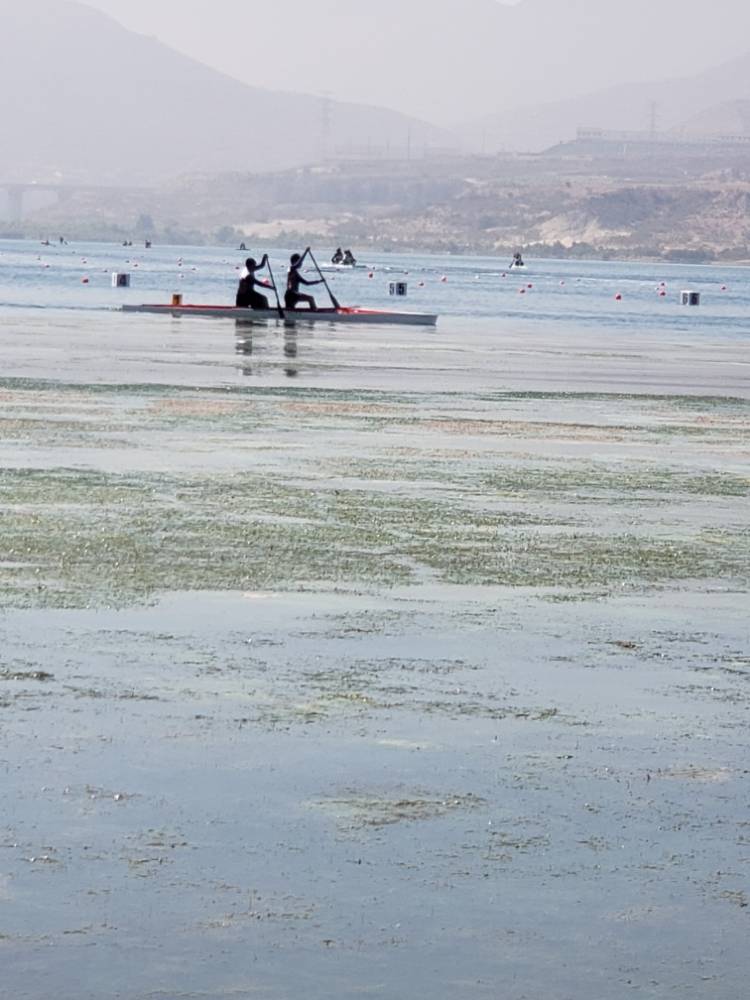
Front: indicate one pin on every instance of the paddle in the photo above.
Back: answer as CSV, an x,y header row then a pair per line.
x,y
334,300
275,289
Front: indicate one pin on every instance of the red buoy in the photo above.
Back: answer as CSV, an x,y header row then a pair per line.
x,y
618,297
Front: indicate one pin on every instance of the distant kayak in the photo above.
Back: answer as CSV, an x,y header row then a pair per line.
x,y
330,268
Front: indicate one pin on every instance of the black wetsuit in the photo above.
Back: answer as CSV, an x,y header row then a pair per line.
x,y
294,279
247,297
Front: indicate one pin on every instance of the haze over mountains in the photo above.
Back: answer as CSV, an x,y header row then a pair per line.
x,y
447,60
695,104
83,99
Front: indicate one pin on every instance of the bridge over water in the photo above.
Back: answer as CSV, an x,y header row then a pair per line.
x,y
16,192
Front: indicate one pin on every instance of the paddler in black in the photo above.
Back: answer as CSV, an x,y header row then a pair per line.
x,y
247,297
293,296
338,257
349,259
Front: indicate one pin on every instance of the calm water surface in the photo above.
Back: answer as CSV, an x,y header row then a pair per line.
x,y
489,335
356,787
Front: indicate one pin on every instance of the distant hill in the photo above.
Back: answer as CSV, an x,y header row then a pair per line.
x,y
629,106
729,118
83,99
447,60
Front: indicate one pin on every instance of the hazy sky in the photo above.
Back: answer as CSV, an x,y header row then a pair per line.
x,y
445,59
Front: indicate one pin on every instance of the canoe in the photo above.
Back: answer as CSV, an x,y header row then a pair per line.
x,y
353,315
334,268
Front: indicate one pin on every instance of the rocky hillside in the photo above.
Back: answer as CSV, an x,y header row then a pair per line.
x,y
483,206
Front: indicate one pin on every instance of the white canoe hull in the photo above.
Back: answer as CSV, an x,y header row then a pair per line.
x,y
353,316
334,268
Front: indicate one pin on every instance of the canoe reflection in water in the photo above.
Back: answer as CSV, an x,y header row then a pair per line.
x,y
245,346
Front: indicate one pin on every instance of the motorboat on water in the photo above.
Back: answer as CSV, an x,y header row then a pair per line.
x,y
352,315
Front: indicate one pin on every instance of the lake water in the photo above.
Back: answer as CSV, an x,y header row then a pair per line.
x,y
48,318
570,293
382,662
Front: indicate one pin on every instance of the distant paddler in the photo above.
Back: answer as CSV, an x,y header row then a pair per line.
x,y
293,296
247,297
338,257
349,259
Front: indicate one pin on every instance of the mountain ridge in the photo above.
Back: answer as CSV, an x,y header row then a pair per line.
x,y
449,60
85,99
635,106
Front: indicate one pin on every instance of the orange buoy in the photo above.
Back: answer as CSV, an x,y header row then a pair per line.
x,y
84,280
618,297
444,279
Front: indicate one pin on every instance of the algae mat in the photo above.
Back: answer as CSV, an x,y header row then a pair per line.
x,y
362,685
